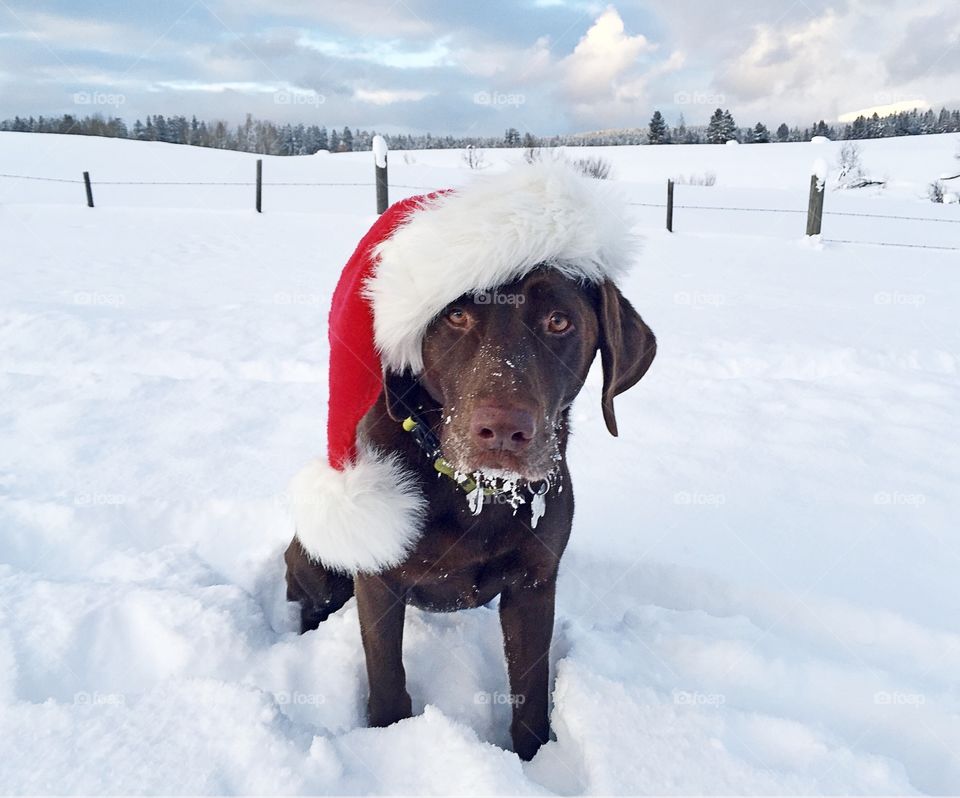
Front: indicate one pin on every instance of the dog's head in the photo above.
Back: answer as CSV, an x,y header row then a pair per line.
x,y
504,365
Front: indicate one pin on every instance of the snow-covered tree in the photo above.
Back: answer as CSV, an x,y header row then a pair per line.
x,y
728,127
657,134
715,128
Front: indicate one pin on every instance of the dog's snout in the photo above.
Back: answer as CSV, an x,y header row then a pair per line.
x,y
506,428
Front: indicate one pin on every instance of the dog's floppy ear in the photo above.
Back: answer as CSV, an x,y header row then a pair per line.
x,y
401,393
627,348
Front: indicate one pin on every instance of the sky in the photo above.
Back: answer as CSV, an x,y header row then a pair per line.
x,y
476,68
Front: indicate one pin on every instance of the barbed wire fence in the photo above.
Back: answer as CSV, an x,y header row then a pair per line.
x,y
814,211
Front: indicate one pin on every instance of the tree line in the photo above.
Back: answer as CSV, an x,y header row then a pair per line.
x,y
268,138
722,128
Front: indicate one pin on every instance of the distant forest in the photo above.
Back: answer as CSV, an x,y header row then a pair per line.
x,y
269,138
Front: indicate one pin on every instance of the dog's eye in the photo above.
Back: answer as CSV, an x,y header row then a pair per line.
x,y
458,317
558,323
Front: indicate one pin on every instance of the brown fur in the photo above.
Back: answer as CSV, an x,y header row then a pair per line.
x,y
497,390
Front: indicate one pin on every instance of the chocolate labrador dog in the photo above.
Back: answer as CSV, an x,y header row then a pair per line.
x,y
501,371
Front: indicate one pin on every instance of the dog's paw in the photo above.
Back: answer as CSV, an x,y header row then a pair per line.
x,y
320,592
382,713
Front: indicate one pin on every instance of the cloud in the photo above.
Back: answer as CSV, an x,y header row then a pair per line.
x,y
930,44
607,80
419,64
389,96
511,65
395,18
387,53
602,56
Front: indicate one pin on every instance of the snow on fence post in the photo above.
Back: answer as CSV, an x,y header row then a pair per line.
x,y
669,205
86,183
259,185
818,184
380,172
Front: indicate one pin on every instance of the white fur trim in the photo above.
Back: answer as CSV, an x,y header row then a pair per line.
x,y
365,518
490,233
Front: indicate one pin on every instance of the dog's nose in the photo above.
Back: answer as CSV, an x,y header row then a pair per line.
x,y
505,428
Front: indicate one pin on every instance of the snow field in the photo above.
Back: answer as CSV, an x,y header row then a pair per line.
x,y
759,596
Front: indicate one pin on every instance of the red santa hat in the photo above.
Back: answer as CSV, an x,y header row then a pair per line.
x,y
361,509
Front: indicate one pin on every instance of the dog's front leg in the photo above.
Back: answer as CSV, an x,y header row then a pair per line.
x,y
526,617
381,608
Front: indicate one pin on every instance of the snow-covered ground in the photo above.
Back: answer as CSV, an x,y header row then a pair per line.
x,y
761,590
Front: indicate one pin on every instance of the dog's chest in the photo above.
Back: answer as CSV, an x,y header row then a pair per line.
x,y
465,562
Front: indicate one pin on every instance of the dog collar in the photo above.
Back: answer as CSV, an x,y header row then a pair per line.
x,y
428,441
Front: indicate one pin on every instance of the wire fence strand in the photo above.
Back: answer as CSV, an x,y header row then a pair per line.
x,y
739,209
891,216
212,182
888,244
46,179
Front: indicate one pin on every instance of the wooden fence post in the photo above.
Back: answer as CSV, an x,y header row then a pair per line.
x,y
380,172
670,205
815,205
86,183
259,185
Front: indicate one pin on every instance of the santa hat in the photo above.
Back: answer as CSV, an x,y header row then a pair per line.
x,y
361,509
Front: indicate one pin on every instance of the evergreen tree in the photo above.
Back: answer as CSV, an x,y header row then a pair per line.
x,y
160,127
728,127
783,132
760,134
943,121
715,128
658,129
346,140
681,131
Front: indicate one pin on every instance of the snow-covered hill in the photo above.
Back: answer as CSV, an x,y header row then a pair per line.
x,y
760,594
